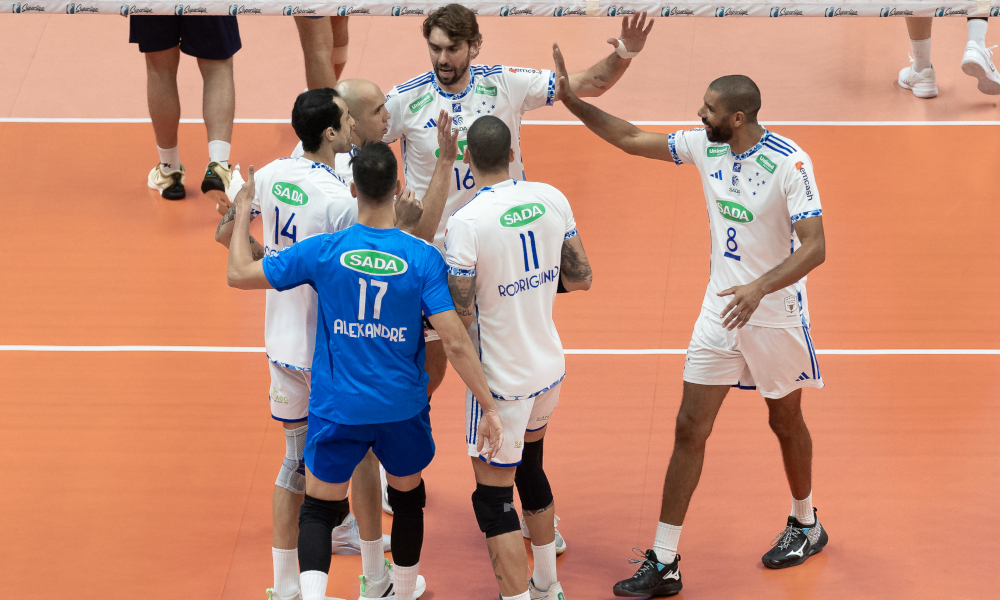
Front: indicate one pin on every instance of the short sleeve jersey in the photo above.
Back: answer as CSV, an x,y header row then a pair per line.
x,y
510,236
372,285
502,91
297,198
753,199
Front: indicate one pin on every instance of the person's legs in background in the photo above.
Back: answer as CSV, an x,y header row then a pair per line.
x,y
919,76
978,59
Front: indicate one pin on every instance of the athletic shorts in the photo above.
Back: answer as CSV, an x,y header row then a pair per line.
x,y
772,360
289,393
429,334
517,416
200,36
333,450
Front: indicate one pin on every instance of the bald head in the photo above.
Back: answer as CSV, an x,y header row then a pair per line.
x,y
738,93
366,103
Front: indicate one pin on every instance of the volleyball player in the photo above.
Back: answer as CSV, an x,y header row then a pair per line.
x,y
767,235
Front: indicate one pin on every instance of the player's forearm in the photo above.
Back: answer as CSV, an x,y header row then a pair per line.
x,y
240,253
434,200
617,132
599,78
574,267
795,267
224,232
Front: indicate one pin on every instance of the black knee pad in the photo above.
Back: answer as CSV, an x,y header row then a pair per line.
x,y
532,484
495,512
328,513
410,502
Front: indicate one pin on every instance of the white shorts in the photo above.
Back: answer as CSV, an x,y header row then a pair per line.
x,y
517,416
289,393
772,360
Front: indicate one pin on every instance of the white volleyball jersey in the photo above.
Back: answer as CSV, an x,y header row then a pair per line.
x,y
297,198
504,92
341,162
510,236
753,200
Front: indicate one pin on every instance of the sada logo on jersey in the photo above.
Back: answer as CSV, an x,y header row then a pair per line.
x,y
187,9
836,11
373,262
734,211
240,9
74,9
513,11
780,11
400,11
614,11
522,215
673,11
19,7
891,11
722,11
289,193
565,11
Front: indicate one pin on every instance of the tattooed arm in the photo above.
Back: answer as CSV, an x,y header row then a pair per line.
x,y
463,294
599,78
575,272
224,233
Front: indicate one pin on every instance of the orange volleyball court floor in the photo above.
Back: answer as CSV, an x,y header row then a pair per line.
x,y
148,474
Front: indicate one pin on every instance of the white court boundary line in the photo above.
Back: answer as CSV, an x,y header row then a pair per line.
x,y
530,122
585,351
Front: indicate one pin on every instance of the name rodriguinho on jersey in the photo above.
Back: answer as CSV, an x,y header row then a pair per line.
x,y
369,330
526,284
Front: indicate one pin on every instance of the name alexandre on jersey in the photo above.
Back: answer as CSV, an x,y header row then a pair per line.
x,y
529,283
369,330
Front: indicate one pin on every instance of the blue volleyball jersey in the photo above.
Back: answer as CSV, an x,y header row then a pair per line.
x,y
368,366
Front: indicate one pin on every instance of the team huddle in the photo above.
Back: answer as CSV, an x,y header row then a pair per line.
x,y
372,288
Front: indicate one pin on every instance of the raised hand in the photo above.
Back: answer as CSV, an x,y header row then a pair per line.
x,y
634,32
408,210
245,197
563,90
447,137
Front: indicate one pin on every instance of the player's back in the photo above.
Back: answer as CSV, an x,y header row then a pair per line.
x,y
373,285
513,234
297,198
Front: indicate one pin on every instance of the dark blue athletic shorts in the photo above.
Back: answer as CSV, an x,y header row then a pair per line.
x,y
333,450
207,37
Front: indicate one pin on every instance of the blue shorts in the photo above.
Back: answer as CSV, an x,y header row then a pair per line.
x,y
333,450
201,36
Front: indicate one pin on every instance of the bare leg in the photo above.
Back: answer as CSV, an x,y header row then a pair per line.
x,y
161,95
436,365
285,507
699,407
541,523
218,98
341,38
510,561
316,38
366,498
785,418
919,28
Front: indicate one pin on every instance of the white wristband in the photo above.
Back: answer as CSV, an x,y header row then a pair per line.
x,y
622,52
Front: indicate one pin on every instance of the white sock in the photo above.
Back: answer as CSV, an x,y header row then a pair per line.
x,y
314,585
170,159
977,31
544,574
524,596
665,544
286,572
802,510
404,581
372,560
218,151
921,54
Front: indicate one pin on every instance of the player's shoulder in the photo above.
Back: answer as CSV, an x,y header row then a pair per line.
x,y
693,137
508,70
325,176
274,166
415,86
784,148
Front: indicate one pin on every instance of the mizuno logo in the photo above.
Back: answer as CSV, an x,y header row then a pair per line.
x,y
675,575
430,124
717,175
800,550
